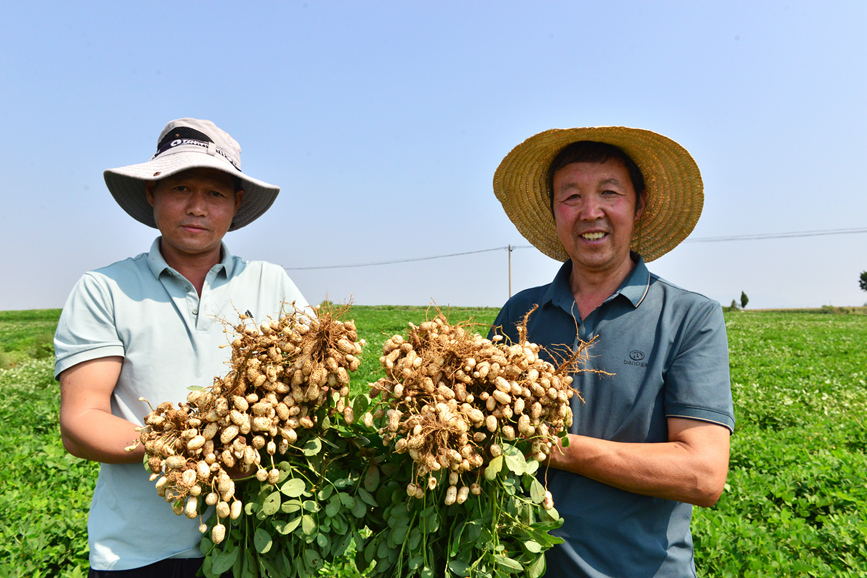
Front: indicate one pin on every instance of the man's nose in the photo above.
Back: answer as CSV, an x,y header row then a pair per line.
x,y
197,204
591,209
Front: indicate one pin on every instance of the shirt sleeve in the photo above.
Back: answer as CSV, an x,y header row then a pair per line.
x,y
86,329
697,384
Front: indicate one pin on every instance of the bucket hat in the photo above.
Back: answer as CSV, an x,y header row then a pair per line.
x,y
675,193
189,143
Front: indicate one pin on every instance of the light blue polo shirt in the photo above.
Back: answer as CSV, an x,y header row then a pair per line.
x,y
668,351
146,312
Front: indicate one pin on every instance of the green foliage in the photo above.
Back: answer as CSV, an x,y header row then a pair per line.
x,y
744,300
27,334
44,492
796,498
312,515
505,531
862,281
795,502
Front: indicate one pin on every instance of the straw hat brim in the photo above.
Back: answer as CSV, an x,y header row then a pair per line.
x,y
675,194
127,185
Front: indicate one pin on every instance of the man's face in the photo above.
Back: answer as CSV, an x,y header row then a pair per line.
x,y
193,210
595,214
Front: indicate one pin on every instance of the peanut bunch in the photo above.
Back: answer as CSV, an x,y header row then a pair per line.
x,y
452,396
285,374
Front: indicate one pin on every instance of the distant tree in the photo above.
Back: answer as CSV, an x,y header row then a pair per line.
x,y
733,306
744,300
863,281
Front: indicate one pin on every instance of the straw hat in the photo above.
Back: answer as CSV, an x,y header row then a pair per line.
x,y
675,193
189,143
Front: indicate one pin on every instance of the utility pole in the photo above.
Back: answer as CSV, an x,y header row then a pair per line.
x,y
510,270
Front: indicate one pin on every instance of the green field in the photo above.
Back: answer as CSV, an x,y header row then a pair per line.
x,y
795,503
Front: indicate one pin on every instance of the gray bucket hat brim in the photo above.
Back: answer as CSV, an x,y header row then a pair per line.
x,y
184,144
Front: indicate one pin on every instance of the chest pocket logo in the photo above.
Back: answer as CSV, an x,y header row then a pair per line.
x,y
636,355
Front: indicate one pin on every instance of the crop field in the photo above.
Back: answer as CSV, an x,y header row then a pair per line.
x,y
795,503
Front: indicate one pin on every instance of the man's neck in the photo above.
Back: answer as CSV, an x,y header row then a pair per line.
x,y
591,289
194,268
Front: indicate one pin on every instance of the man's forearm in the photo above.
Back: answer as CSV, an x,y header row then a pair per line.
x,y
87,426
691,468
101,437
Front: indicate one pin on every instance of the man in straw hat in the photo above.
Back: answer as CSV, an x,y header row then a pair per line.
x,y
151,326
652,435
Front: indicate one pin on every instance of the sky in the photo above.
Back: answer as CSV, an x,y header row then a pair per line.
x,y
383,123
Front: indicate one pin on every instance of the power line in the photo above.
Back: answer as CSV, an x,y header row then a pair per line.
x,y
512,247
404,260
776,236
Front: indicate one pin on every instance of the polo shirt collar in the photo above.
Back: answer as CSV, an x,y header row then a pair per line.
x,y
634,287
158,265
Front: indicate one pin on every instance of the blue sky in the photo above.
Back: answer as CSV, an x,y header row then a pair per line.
x,y
383,122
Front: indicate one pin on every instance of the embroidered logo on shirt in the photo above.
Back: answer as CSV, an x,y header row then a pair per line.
x,y
636,357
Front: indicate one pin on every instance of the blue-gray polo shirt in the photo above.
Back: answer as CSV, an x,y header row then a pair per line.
x,y
668,351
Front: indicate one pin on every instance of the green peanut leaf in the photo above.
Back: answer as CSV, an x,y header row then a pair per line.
x,y
367,497
286,527
430,520
533,546
262,540
224,560
371,478
414,539
494,467
537,567
347,500
293,488
271,504
205,545
398,535
516,464
332,507
359,509
313,559
509,564
312,447
537,491
308,525
415,562
325,492
459,567
291,506
553,514
338,525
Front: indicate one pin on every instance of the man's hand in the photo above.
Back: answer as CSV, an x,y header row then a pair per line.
x,y
87,426
691,467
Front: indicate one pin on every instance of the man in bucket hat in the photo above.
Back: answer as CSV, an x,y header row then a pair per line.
x,y
151,326
651,437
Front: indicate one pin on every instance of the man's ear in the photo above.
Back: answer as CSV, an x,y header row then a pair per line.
x,y
239,196
149,192
642,204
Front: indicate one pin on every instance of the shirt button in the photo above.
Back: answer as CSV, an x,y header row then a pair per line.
x,y
189,287
195,311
